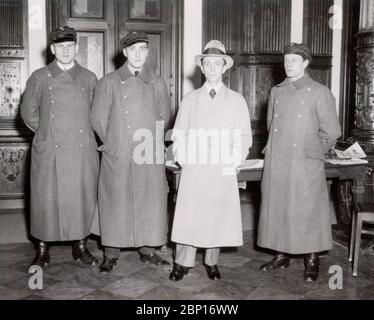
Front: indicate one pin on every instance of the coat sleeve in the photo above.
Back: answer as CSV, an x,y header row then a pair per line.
x,y
243,123
93,84
269,116
180,130
31,101
101,106
329,126
164,104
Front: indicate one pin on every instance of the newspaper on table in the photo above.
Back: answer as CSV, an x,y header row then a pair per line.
x,y
351,155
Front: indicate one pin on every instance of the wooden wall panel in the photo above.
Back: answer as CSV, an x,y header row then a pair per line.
x,y
317,33
218,21
11,23
254,33
248,29
316,30
14,137
275,25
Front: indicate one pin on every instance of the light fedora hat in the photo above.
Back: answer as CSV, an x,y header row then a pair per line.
x,y
215,48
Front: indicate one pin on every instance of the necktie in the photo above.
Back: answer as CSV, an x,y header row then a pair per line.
x,y
212,93
136,73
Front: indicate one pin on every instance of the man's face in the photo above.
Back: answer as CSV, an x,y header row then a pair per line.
x,y
295,65
213,68
65,52
136,54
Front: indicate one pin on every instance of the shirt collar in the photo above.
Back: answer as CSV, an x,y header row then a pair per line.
x,y
298,84
223,91
55,70
125,73
216,88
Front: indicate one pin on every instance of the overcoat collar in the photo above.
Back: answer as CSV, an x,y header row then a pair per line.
x,y
299,84
125,73
55,70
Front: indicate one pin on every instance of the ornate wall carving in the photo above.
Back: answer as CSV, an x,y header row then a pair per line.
x,y
10,88
364,116
14,158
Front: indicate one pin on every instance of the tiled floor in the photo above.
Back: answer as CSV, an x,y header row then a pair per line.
x,y
131,279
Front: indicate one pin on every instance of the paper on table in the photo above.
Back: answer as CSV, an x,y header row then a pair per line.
x,y
252,164
346,161
171,163
353,152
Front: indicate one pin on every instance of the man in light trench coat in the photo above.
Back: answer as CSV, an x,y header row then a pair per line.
x,y
212,135
130,104
303,125
64,160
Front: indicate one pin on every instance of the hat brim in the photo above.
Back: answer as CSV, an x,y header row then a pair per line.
x,y
125,45
64,39
229,61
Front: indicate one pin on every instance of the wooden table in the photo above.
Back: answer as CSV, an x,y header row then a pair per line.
x,y
353,172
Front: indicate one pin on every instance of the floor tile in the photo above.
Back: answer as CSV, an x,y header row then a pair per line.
x,y
129,287
66,290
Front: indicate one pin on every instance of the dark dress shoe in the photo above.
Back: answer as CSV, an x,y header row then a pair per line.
x,y
42,256
311,263
108,265
81,253
213,272
280,261
153,259
178,272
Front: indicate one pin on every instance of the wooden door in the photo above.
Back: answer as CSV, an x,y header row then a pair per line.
x,y
100,25
94,21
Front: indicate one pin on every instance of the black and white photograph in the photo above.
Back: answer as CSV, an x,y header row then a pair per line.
x,y
187,157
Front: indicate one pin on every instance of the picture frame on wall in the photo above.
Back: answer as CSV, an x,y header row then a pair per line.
x,y
91,9
145,10
91,51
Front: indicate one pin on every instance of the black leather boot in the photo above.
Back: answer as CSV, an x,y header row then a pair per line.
x,y
81,253
108,265
311,263
280,261
213,272
178,272
153,258
42,256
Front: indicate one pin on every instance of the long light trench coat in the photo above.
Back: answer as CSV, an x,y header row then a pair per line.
x,y
303,125
207,211
132,194
64,160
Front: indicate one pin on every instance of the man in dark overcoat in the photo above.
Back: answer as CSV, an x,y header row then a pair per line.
x,y
303,125
64,160
130,112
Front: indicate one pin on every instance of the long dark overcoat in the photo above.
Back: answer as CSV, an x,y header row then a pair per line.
x,y
64,160
303,125
132,193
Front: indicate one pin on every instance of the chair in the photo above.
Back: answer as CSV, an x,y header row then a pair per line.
x,y
363,214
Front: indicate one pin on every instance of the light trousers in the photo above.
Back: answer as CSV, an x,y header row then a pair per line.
x,y
185,255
